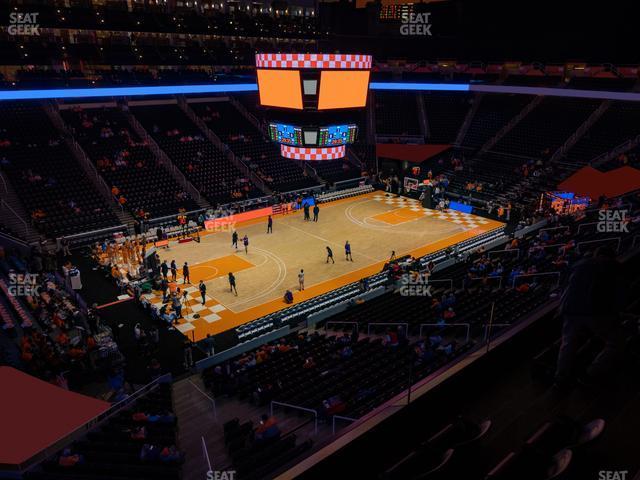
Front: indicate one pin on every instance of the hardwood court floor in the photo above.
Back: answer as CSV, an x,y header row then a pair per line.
x,y
374,224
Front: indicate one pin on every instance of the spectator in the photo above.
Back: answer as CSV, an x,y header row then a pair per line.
x,y
591,305
267,429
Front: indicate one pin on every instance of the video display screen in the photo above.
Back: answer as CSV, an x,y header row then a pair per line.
x,y
337,135
280,88
285,134
343,89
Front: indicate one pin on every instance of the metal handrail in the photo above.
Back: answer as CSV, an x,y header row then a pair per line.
x,y
350,180
517,250
297,407
340,417
585,225
4,204
513,283
168,217
95,232
210,398
448,280
566,227
444,325
486,278
4,184
488,326
385,323
341,323
206,454
618,239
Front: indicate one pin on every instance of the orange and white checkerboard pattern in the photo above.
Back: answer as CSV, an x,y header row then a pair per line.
x,y
299,153
314,60
465,220
207,312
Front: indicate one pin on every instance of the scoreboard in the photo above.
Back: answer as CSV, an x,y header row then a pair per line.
x,y
286,134
337,135
315,85
333,135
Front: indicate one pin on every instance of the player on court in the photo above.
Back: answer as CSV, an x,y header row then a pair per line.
x,y
245,242
232,284
270,225
301,280
330,255
347,251
234,239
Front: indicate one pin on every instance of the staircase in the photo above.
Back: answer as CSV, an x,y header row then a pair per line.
x,y
313,173
512,123
125,218
246,113
14,217
582,129
223,147
164,161
353,158
371,119
423,118
468,119
610,155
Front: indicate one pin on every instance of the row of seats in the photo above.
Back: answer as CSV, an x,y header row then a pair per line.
x,y
538,134
49,182
137,443
126,162
248,143
255,458
446,111
206,167
617,124
396,113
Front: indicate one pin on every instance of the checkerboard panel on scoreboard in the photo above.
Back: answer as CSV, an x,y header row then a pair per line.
x,y
466,220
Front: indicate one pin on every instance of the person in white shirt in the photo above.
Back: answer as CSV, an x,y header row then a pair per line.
x,y
301,280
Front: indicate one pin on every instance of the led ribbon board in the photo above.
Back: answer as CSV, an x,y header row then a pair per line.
x,y
314,154
62,93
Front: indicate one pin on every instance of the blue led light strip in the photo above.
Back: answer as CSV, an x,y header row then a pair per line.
x,y
124,91
449,87
252,87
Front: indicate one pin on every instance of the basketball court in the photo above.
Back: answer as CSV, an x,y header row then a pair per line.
x,y
375,224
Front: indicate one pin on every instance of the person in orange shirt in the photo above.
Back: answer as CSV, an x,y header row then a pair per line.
x,y
122,200
115,191
69,459
62,339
